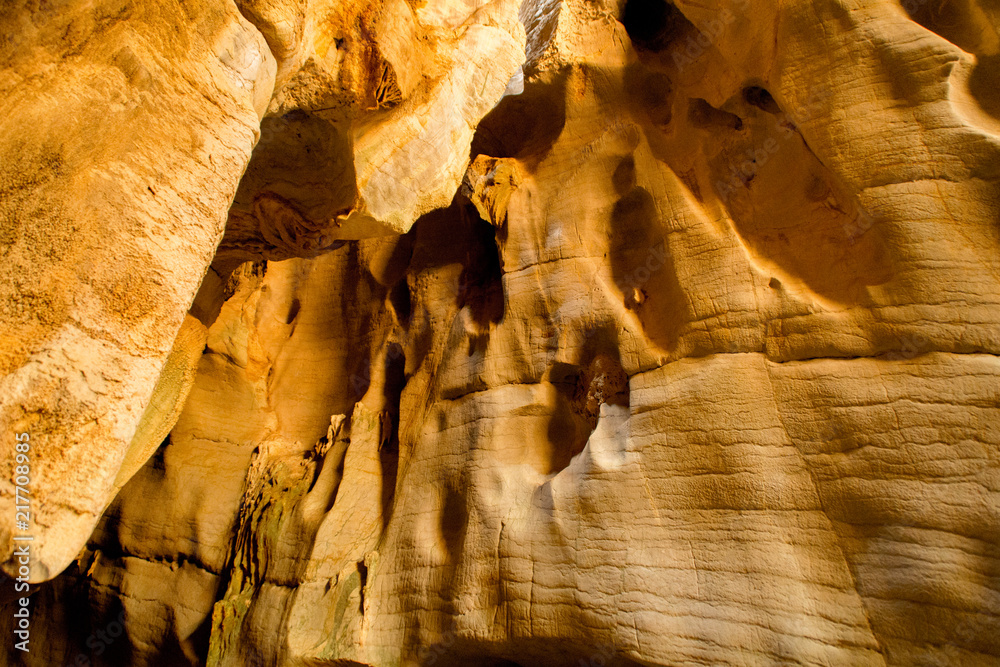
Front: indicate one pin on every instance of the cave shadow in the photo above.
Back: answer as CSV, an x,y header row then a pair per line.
x,y
388,447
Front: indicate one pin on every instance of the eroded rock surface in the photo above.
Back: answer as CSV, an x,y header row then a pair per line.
x,y
125,128
692,361
375,127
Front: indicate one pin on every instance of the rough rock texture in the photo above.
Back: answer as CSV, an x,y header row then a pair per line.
x,y
374,129
124,128
127,127
690,356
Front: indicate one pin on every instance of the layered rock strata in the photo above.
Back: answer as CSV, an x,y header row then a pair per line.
x,y
682,350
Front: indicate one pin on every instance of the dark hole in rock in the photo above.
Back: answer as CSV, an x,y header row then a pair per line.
x,y
652,24
395,376
399,297
481,282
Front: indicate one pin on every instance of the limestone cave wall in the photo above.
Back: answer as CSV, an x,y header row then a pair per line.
x,y
505,333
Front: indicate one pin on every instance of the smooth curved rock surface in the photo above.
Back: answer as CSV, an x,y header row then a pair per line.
x,y
696,363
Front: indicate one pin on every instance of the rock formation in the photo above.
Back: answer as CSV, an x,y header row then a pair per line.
x,y
485,332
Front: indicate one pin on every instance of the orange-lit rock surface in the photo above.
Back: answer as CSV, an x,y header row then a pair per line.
x,y
561,333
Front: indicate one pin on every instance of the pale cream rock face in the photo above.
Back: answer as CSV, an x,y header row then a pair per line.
x,y
696,362
375,128
124,129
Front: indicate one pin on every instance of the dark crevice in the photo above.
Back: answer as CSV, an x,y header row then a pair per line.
x,y
388,447
481,281
363,578
401,301
653,24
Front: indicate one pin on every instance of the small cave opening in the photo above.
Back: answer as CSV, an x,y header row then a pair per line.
x,y
395,376
652,25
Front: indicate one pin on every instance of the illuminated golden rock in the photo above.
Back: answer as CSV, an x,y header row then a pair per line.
x,y
680,348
